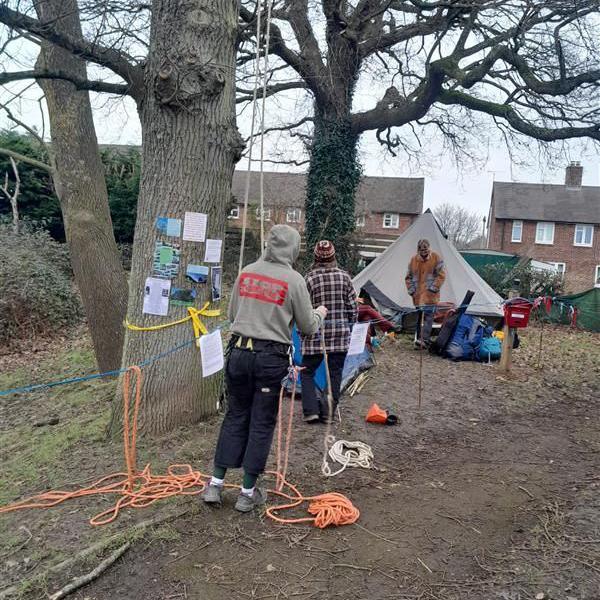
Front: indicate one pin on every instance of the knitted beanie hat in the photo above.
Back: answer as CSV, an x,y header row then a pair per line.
x,y
324,251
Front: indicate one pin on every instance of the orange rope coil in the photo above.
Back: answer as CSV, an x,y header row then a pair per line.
x,y
140,489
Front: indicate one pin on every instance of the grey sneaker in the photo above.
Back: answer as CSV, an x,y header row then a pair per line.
x,y
311,418
212,495
247,503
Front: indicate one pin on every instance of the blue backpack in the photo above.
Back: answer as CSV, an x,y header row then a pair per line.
x,y
466,338
490,349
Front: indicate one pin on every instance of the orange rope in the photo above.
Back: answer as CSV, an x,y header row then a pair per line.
x,y
140,489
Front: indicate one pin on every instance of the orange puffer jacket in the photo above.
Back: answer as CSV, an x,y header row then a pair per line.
x,y
425,278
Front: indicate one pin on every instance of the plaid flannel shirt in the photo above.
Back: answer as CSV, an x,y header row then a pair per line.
x,y
332,288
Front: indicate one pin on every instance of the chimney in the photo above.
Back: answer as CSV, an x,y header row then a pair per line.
x,y
573,176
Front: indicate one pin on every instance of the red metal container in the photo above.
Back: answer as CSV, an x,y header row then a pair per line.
x,y
516,313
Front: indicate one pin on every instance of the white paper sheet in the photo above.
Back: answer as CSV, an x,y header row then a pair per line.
x,y
211,350
194,227
358,338
156,296
213,251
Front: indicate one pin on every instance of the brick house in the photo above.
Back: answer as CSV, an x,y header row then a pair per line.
x,y
559,224
385,206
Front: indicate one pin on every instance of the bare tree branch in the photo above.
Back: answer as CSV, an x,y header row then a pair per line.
x,y
81,84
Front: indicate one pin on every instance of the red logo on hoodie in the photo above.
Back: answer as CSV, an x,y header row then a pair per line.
x,y
263,289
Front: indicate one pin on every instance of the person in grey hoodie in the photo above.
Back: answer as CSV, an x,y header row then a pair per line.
x,y
266,300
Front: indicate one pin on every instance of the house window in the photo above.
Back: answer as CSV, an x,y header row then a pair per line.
x,y
294,215
266,213
544,233
597,277
391,220
584,235
560,267
234,213
517,231
360,221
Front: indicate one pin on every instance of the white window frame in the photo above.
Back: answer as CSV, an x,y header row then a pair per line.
x,y
597,277
266,212
558,265
394,220
513,238
293,215
361,220
234,213
583,227
537,231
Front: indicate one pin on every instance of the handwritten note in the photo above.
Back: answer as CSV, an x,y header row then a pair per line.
x,y
194,227
212,253
358,338
211,350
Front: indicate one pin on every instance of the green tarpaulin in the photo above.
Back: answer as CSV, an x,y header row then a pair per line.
x,y
588,309
482,259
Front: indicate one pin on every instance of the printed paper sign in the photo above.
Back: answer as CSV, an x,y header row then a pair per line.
x,y
197,273
216,276
211,350
156,296
194,227
170,227
166,259
183,296
358,338
213,251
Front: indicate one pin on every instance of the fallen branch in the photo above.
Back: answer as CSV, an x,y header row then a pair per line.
x,y
96,548
79,582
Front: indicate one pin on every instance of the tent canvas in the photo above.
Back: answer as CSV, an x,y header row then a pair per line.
x,y
387,271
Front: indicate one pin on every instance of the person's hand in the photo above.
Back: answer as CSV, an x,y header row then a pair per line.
x,y
322,310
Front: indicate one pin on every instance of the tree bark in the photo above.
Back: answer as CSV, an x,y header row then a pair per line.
x,y
81,188
189,149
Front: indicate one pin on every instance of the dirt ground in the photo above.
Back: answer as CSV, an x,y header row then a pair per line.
x,y
489,491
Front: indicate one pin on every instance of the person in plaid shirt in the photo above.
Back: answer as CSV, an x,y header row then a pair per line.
x,y
331,287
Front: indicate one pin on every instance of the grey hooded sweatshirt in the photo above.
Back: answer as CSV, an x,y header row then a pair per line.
x,y
268,295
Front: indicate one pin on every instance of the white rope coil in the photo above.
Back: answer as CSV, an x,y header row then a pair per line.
x,y
348,454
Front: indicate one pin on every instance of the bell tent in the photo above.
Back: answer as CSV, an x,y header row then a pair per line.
x,y
383,279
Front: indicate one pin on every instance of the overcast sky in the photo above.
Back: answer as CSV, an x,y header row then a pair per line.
x,y
468,186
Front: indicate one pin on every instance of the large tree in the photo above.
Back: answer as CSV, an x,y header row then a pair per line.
x,y
182,80
530,67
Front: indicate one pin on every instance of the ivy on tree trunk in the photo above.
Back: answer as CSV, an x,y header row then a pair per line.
x,y
333,177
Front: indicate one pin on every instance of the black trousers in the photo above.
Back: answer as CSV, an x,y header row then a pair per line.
x,y
311,362
427,315
253,381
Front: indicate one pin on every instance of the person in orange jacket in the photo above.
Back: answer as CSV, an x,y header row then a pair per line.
x,y
424,279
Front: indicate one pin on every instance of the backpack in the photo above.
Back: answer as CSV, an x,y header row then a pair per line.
x,y
490,349
466,338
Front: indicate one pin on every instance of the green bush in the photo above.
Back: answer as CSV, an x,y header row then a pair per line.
x,y
526,279
36,292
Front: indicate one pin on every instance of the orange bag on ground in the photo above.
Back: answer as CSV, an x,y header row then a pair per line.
x,y
376,415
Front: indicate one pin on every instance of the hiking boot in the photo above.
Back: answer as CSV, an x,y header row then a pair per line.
x,y
311,419
248,503
213,495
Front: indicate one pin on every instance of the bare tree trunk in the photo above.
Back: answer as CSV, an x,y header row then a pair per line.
x,y
81,187
189,149
14,195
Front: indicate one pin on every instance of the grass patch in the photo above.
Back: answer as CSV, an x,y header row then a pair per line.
x,y
34,453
